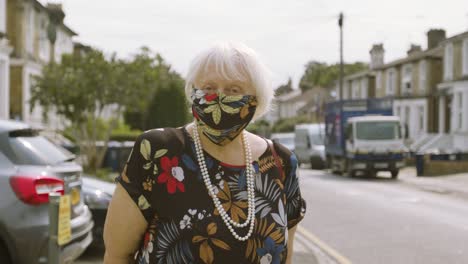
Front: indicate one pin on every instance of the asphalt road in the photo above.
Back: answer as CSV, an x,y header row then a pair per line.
x,y
384,221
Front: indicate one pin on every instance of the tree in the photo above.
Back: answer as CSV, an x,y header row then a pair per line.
x,y
167,106
285,88
83,85
320,74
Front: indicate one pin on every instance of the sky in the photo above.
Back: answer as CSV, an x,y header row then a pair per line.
x,y
285,34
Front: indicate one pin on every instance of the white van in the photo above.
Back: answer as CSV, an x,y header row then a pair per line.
x,y
309,144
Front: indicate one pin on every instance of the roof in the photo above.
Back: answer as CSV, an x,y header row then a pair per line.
x,y
372,118
43,8
359,75
456,37
432,53
11,125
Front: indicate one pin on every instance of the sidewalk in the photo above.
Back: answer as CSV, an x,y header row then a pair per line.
x,y
455,184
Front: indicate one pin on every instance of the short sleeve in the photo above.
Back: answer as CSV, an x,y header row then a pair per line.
x,y
295,204
135,175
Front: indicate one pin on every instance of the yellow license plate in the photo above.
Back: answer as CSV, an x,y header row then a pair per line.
x,y
75,196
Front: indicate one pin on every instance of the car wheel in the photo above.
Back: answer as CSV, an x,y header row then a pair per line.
x,y
394,174
4,255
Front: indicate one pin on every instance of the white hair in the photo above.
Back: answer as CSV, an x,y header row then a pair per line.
x,y
233,61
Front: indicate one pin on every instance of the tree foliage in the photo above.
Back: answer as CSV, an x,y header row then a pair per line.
x,y
86,88
166,104
324,75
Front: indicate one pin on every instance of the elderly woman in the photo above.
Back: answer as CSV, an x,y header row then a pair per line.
x,y
209,192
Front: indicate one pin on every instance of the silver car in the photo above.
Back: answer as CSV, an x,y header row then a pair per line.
x,y
30,168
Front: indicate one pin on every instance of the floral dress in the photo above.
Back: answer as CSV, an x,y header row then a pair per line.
x,y
163,178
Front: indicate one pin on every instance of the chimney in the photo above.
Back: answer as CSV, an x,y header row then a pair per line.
x,y
414,49
377,56
434,37
56,13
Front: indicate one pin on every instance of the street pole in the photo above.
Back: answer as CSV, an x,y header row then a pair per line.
x,y
340,23
54,248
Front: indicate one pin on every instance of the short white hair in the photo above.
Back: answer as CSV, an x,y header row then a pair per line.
x,y
233,61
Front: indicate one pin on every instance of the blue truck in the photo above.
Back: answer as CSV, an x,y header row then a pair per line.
x,y
363,136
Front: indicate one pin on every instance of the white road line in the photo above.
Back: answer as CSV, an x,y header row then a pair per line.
x,y
326,248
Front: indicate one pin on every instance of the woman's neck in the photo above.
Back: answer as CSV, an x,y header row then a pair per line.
x,y
226,152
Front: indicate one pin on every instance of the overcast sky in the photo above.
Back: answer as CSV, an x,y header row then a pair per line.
x,y
286,34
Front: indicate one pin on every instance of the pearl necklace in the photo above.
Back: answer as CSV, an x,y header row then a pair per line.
x,y
250,188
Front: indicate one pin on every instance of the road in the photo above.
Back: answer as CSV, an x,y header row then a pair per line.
x,y
385,221
374,220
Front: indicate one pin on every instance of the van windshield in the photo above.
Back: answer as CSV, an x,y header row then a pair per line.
x,y
378,130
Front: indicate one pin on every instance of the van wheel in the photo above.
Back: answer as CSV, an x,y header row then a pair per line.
x,y
315,165
349,170
4,255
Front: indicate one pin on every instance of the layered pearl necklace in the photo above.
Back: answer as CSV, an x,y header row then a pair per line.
x,y
250,188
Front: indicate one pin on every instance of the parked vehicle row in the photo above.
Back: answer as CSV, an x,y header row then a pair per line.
x,y
358,137
31,167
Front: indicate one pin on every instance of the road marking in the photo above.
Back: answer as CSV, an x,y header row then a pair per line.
x,y
328,250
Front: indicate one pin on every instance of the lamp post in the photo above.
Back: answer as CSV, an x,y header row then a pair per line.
x,y
340,24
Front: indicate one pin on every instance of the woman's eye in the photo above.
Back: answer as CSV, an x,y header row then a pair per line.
x,y
209,89
235,90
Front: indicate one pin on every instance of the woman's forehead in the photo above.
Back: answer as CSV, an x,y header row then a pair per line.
x,y
212,76
223,72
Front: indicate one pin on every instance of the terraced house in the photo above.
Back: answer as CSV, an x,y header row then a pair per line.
x,y
453,94
5,50
412,83
37,36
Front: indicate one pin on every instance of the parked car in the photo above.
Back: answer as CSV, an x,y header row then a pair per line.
x,y
286,139
30,168
309,144
97,195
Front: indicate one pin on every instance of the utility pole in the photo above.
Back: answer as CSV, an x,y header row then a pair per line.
x,y
340,23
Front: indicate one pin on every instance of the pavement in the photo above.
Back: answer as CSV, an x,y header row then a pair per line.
x,y
454,184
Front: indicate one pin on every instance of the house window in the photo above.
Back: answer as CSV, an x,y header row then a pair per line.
x,y
44,49
421,118
407,74
355,88
460,111
364,88
422,76
30,30
391,82
3,16
378,81
465,56
448,62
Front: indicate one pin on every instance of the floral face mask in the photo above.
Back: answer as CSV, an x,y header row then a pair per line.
x,y
222,117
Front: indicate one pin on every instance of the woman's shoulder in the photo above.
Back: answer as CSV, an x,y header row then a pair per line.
x,y
168,138
288,157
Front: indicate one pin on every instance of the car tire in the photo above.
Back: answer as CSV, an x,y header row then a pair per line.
x,y
4,255
394,174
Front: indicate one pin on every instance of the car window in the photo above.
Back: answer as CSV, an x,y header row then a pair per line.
x,y
4,161
32,149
